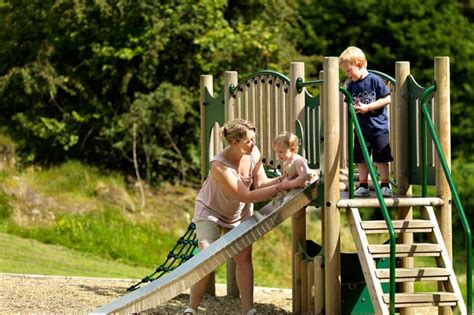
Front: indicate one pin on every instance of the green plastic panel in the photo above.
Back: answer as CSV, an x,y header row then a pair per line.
x,y
415,95
355,295
312,134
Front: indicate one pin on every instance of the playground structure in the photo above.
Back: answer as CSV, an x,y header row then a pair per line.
x,y
324,124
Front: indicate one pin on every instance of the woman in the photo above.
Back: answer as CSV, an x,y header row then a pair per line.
x,y
225,200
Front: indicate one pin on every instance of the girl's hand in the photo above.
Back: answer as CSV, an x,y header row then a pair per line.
x,y
285,183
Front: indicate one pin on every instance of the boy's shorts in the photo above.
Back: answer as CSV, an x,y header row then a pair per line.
x,y
209,231
378,146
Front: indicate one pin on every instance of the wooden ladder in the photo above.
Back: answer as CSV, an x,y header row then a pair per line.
x,y
443,273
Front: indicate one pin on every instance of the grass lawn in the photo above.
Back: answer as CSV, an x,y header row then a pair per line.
x,y
26,256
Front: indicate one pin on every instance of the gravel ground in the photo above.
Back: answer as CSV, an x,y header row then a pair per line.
x,y
29,294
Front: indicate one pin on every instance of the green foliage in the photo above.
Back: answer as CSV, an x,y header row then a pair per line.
x,y
76,77
463,175
72,177
5,209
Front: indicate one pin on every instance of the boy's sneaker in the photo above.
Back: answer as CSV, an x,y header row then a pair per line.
x,y
386,191
362,192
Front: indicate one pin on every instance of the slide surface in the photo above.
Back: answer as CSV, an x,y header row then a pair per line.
x,y
206,261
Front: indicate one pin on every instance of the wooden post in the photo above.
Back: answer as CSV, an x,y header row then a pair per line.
x,y
298,220
304,286
230,78
321,147
442,105
332,219
297,259
310,282
443,129
318,285
205,83
401,136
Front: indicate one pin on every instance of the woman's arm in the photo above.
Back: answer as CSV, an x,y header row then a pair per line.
x,y
236,188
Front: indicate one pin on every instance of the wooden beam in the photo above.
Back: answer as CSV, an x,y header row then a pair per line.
x,y
390,202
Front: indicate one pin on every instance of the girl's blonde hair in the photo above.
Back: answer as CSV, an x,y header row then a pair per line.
x,y
236,129
289,139
352,55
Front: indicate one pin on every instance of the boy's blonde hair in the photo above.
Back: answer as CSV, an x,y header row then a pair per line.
x,y
236,129
289,139
352,55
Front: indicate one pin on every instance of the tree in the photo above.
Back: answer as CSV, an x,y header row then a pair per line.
x,y
79,74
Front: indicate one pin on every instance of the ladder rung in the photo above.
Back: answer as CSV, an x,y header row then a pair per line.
x,y
414,274
400,226
405,250
423,299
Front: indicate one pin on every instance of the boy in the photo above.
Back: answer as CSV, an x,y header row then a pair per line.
x,y
371,97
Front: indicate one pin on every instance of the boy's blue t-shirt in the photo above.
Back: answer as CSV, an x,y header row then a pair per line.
x,y
367,91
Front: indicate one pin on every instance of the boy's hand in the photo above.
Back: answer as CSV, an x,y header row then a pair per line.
x,y
361,108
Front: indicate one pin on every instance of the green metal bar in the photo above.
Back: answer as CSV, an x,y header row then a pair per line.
x,y
383,206
457,202
350,140
300,84
384,76
424,143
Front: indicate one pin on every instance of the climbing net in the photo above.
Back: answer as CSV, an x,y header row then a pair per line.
x,y
185,248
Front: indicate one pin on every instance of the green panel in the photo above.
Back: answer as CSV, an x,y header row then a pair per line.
x,y
299,133
214,112
355,295
415,95
312,134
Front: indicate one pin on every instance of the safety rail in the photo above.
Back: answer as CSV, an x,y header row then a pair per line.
x,y
426,120
384,76
353,123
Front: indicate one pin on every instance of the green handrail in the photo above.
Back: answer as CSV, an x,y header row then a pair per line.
x,y
354,121
456,199
384,76
300,84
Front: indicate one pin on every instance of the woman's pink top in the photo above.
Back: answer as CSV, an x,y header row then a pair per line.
x,y
215,204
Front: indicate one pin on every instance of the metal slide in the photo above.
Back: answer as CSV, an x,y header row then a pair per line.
x,y
206,261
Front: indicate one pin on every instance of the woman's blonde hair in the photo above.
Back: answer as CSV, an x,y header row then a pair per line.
x,y
236,129
289,139
352,55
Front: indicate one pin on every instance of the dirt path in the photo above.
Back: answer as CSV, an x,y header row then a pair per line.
x,y
76,295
